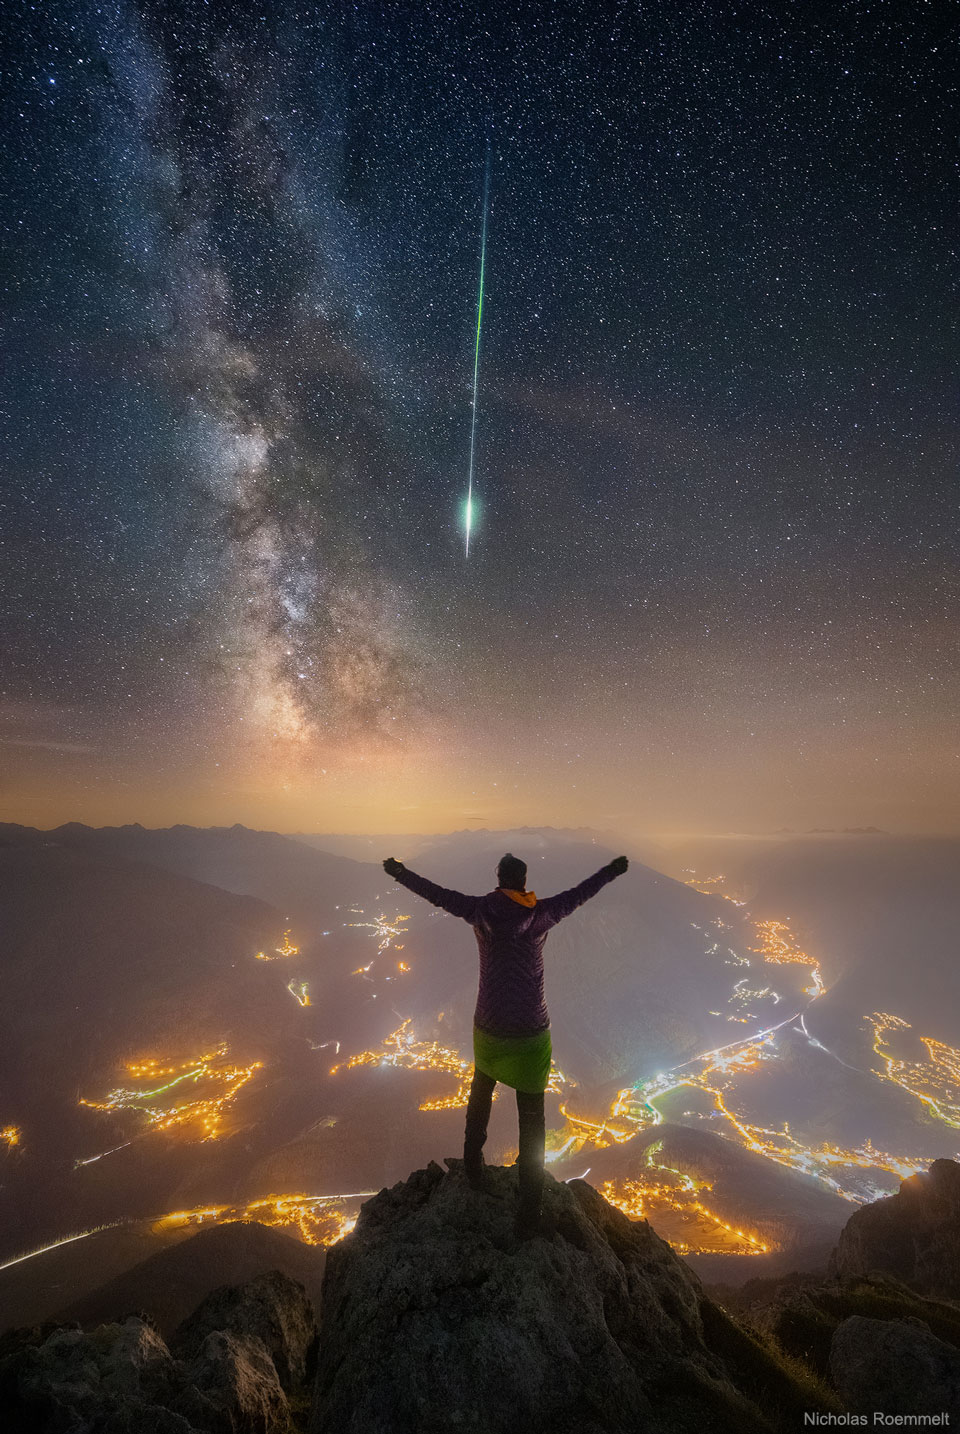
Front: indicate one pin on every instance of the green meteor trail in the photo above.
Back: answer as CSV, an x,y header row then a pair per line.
x,y
476,357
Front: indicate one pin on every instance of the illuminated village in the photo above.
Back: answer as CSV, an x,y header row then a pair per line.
x,y
677,1203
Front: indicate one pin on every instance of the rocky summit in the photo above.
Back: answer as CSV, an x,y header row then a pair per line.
x,y
436,1317
914,1235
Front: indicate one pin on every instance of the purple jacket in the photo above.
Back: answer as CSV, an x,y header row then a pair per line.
x,y
511,938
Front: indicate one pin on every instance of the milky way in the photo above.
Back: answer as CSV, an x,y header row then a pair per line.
x,y
714,578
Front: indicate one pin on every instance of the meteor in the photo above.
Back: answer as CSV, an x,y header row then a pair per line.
x,y
468,518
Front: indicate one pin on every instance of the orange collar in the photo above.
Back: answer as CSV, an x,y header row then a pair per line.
x,y
522,898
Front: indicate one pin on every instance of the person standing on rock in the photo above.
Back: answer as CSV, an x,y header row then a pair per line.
x,y
511,1025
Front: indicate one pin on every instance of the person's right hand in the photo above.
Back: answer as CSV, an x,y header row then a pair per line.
x,y
392,867
619,865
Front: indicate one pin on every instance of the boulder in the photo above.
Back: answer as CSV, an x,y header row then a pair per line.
x,y
435,1317
232,1388
122,1379
272,1308
913,1235
895,1366
121,1376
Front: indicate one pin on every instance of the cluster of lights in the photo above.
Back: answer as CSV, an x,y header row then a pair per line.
x,y
710,886
935,1082
279,951
204,1113
314,1219
579,1132
385,932
743,994
401,1048
779,946
11,1135
299,992
841,1170
639,1200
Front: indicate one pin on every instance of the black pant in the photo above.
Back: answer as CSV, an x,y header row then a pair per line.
x,y
532,1132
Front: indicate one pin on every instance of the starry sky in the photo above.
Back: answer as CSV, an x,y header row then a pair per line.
x,y
712,582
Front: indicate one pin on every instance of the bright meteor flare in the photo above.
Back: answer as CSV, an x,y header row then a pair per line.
x,y
468,514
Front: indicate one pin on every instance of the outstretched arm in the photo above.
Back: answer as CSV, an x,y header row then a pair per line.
x,y
453,901
555,908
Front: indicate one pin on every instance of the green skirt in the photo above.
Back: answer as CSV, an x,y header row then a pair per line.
x,y
522,1062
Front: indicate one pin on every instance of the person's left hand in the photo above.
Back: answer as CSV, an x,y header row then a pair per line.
x,y
392,867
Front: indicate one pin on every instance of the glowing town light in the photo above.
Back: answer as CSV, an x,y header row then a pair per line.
x,y
203,1113
314,1219
935,1082
281,951
403,1050
11,1136
385,931
298,990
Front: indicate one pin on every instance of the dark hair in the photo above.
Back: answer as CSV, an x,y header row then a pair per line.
x,y
512,872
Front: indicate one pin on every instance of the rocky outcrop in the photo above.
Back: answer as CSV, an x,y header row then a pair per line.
x,y
896,1366
236,1353
883,1329
435,1317
913,1235
803,1318
273,1310
231,1387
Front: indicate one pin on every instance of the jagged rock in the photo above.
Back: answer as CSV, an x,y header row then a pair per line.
x,y
896,1366
272,1308
435,1317
803,1317
233,1388
122,1379
914,1235
121,1376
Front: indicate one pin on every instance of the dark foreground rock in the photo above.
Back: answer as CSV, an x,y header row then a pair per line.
x,y
896,1366
804,1318
913,1235
272,1309
121,1378
435,1317
880,1343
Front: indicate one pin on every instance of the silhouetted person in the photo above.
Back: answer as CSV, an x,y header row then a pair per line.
x,y
511,1025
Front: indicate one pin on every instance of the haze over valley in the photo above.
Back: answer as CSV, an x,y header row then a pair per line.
x,y
751,1036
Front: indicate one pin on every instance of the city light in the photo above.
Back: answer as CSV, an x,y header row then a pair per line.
x,y
314,1219
402,1049
203,1115
935,1082
280,951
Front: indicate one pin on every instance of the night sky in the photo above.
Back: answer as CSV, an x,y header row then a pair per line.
x,y
713,578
